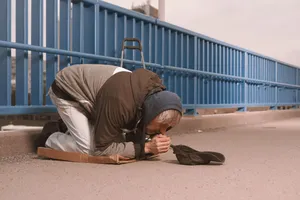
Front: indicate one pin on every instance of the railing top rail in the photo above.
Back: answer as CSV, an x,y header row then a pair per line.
x,y
158,22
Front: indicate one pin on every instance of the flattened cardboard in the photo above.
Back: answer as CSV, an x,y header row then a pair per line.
x,y
80,157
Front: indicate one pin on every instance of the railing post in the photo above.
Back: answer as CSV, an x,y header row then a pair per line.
x,y
245,63
194,110
276,88
5,54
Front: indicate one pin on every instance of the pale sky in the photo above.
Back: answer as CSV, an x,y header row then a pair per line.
x,y
270,27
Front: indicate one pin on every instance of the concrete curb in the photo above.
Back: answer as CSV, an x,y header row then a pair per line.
x,y
220,121
20,142
17,142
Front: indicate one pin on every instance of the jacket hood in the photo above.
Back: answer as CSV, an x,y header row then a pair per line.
x,y
159,102
144,83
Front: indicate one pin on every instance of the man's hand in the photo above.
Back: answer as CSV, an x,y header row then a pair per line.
x,y
158,144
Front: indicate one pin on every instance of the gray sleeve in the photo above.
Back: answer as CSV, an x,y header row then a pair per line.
x,y
126,149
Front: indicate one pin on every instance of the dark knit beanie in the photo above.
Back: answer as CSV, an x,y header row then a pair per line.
x,y
159,102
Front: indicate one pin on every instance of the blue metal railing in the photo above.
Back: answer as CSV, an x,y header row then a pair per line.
x,y
204,72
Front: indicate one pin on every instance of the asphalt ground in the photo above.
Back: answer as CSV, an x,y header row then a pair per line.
x,y
262,162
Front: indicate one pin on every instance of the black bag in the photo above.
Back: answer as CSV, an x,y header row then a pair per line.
x,y
188,156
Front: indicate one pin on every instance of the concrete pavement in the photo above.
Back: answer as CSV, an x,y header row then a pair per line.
x,y
262,162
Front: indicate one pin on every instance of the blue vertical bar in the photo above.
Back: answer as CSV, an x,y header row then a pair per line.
x,y
222,60
176,61
242,72
195,76
5,54
181,65
185,65
119,29
195,54
21,55
273,71
169,47
203,97
97,27
211,57
155,44
64,40
237,60
81,30
198,89
262,69
258,72
208,66
276,88
137,33
76,31
172,48
239,64
169,60
249,66
268,70
134,35
241,67
279,72
150,42
215,82
254,67
230,61
141,33
37,57
220,71
297,76
265,70
234,64
51,27
216,58
88,27
204,53
199,57
227,92
245,59
259,68
227,61
224,92
297,83
162,47
219,54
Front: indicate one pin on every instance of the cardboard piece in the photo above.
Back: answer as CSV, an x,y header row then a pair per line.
x,y
80,157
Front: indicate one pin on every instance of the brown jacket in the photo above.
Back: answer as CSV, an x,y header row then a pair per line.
x,y
111,102
119,105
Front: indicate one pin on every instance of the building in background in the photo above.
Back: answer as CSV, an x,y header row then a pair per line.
x,y
143,8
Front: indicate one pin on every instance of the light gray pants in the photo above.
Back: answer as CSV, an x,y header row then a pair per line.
x,y
80,134
79,137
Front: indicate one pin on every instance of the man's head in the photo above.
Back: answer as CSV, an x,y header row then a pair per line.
x,y
164,122
163,111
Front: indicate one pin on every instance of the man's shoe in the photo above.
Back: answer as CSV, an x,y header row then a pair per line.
x,y
48,129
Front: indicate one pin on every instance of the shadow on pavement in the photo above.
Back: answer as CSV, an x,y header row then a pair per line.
x,y
177,163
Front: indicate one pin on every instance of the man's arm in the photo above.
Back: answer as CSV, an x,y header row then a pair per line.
x,y
125,149
111,116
